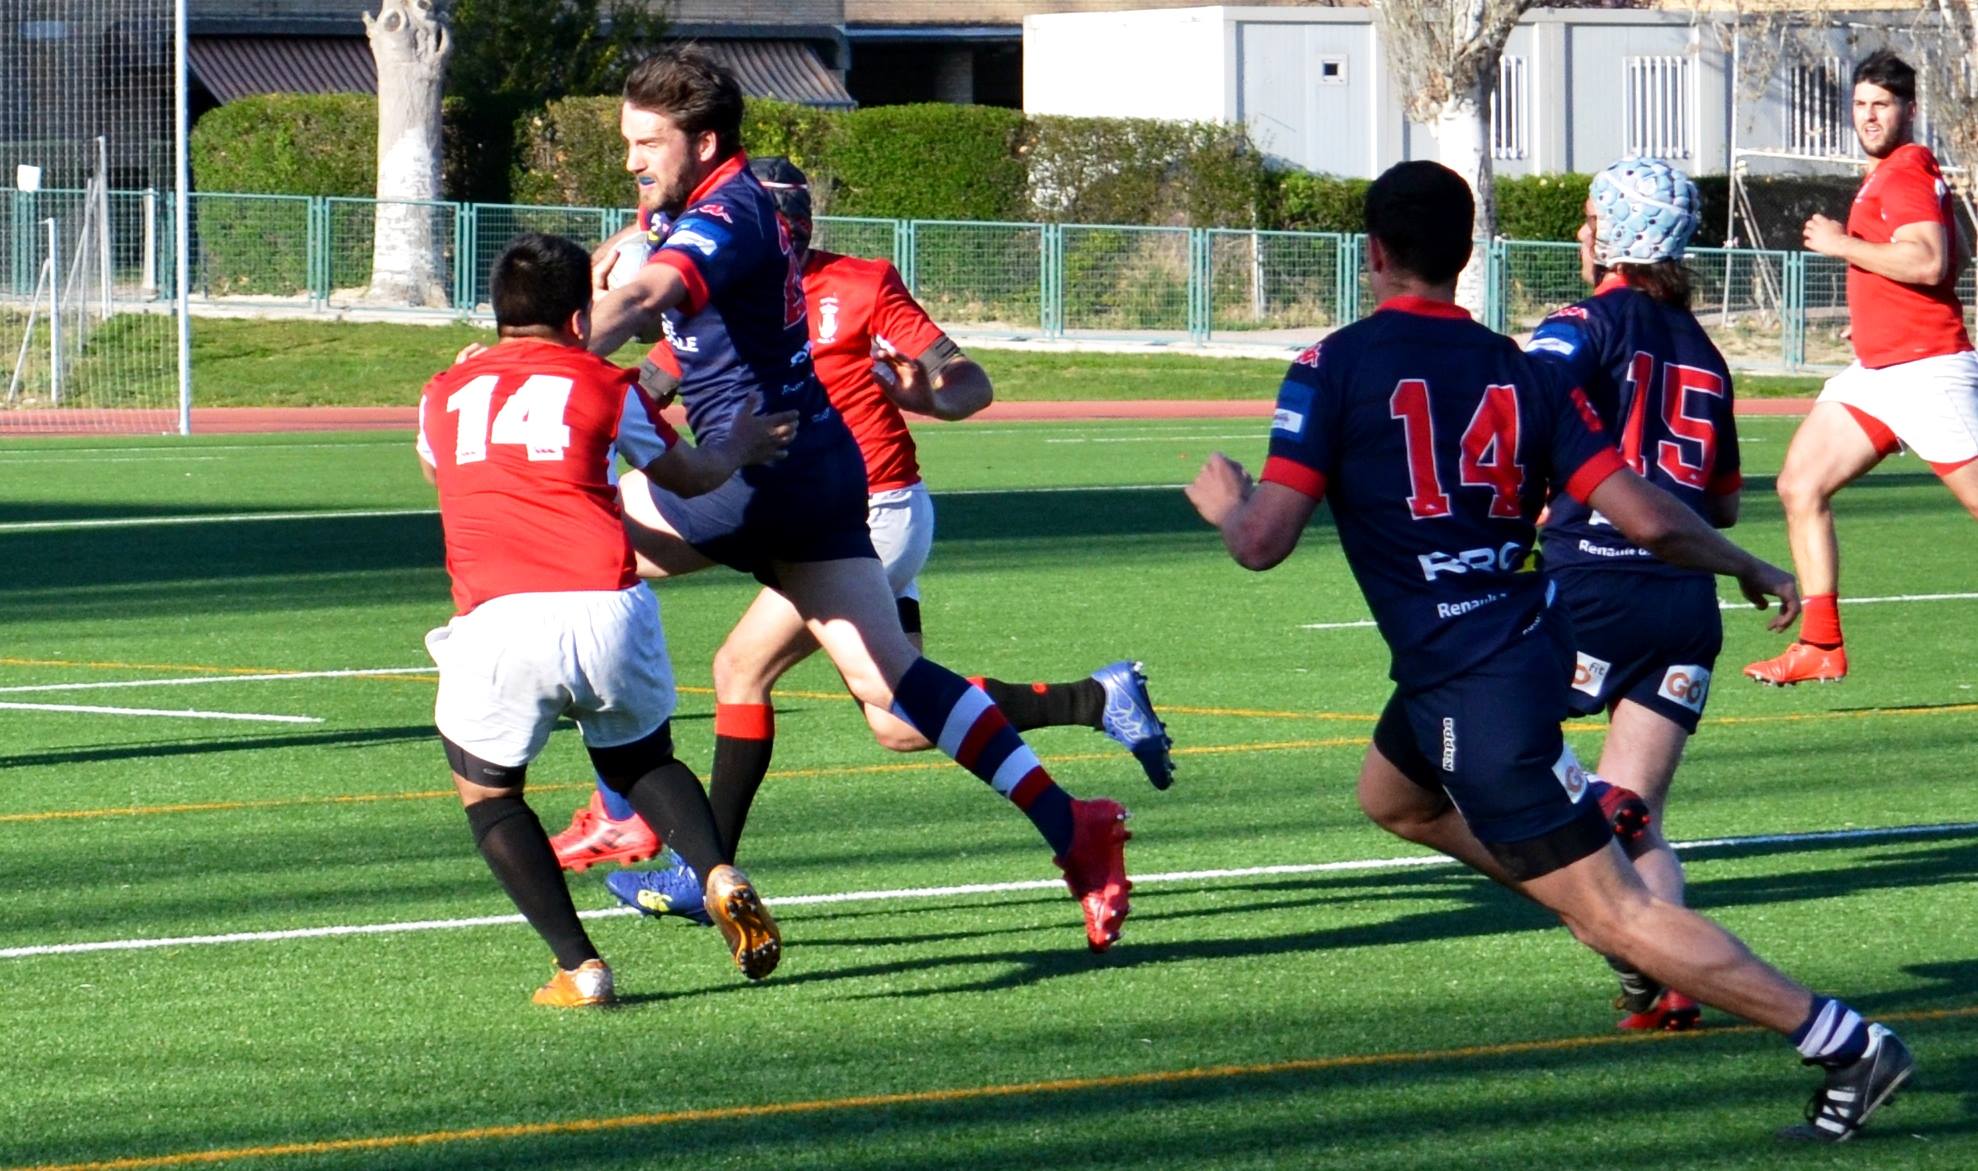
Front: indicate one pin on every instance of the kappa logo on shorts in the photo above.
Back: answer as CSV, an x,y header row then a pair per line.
x,y
1590,674
1688,685
1449,744
1573,776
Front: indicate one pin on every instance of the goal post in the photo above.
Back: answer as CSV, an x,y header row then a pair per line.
x,y
93,217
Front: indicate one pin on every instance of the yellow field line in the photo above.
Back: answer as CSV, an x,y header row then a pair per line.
x,y
930,763
924,1097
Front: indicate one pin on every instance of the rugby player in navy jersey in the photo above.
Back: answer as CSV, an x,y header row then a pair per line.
x,y
1646,634
1437,442
727,286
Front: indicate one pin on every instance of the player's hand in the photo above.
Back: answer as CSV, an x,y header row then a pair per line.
x,y
1219,488
470,350
1763,582
903,379
761,439
1825,236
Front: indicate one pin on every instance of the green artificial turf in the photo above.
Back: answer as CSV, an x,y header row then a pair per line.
x,y
290,363
1386,1017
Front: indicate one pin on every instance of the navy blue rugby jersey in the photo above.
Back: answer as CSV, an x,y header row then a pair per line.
x,y
1665,395
743,327
1437,442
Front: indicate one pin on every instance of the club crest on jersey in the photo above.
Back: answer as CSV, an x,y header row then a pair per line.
x,y
1686,684
716,210
1590,674
827,319
1310,356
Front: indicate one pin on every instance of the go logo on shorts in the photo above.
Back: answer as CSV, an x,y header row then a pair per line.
x,y
1688,685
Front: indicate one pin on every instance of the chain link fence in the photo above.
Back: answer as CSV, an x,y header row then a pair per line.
x,y
1270,290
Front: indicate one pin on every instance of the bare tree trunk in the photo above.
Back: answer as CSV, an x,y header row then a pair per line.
x,y
411,44
1462,142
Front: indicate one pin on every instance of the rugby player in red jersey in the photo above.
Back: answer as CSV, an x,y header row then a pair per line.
x,y
552,618
1436,442
727,287
877,353
1914,379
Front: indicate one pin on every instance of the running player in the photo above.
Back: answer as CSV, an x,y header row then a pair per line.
x,y
1646,633
876,351
1437,441
552,617
1914,379
728,289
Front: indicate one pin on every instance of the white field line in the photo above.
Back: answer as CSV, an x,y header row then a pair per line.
x,y
205,452
1151,438
268,677
186,714
116,459
1722,604
120,522
909,894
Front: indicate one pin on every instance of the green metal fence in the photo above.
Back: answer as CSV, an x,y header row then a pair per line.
x,y
1781,310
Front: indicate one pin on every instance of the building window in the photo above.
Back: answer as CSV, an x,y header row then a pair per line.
x,y
1332,71
1657,112
1508,136
1819,110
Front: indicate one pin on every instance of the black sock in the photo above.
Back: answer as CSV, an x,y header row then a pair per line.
x,y
744,739
517,850
1047,705
673,803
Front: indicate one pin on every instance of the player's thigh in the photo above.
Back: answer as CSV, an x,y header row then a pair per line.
x,y
902,524
1596,895
1962,480
661,550
620,677
501,683
1643,750
770,638
850,611
1397,783
1837,443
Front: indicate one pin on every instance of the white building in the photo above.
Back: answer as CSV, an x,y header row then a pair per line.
x,y
1577,88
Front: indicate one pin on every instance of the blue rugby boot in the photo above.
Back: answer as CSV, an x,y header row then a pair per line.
x,y
670,891
1129,718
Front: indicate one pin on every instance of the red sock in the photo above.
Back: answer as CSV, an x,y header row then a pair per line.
x,y
1820,622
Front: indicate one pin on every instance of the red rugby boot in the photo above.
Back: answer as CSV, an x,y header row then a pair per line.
x,y
1095,868
1802,662
593,838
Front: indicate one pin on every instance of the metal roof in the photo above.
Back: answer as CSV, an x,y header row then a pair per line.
x,y
238,67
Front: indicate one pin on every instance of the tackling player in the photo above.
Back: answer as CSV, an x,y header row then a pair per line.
x,y
876,351
1646,633
1436,441
553,619
1914,379
728,289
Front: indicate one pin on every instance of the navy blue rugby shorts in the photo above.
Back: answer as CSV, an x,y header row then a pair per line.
x,y
1650,638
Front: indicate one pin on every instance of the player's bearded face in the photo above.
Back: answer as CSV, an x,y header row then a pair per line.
x,y
661,158
1881,119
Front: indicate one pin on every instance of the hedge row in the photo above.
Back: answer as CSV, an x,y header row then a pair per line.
x,y
934,162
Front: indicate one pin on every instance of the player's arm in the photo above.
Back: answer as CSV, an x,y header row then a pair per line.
x,y
1260,523
1916,254
954,389
1659,523
635,307
687,469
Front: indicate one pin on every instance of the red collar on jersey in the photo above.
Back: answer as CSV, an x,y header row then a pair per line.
x,y
1424,307
721,174
1613,280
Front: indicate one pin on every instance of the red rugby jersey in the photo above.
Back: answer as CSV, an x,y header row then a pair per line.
x,y
1894,322
851,302
520,438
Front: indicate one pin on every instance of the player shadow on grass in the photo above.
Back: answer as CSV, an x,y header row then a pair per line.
x,y
190,746
1484,910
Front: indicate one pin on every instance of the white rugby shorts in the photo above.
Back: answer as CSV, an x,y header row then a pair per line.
x,y
902,524
510,668
1930,405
